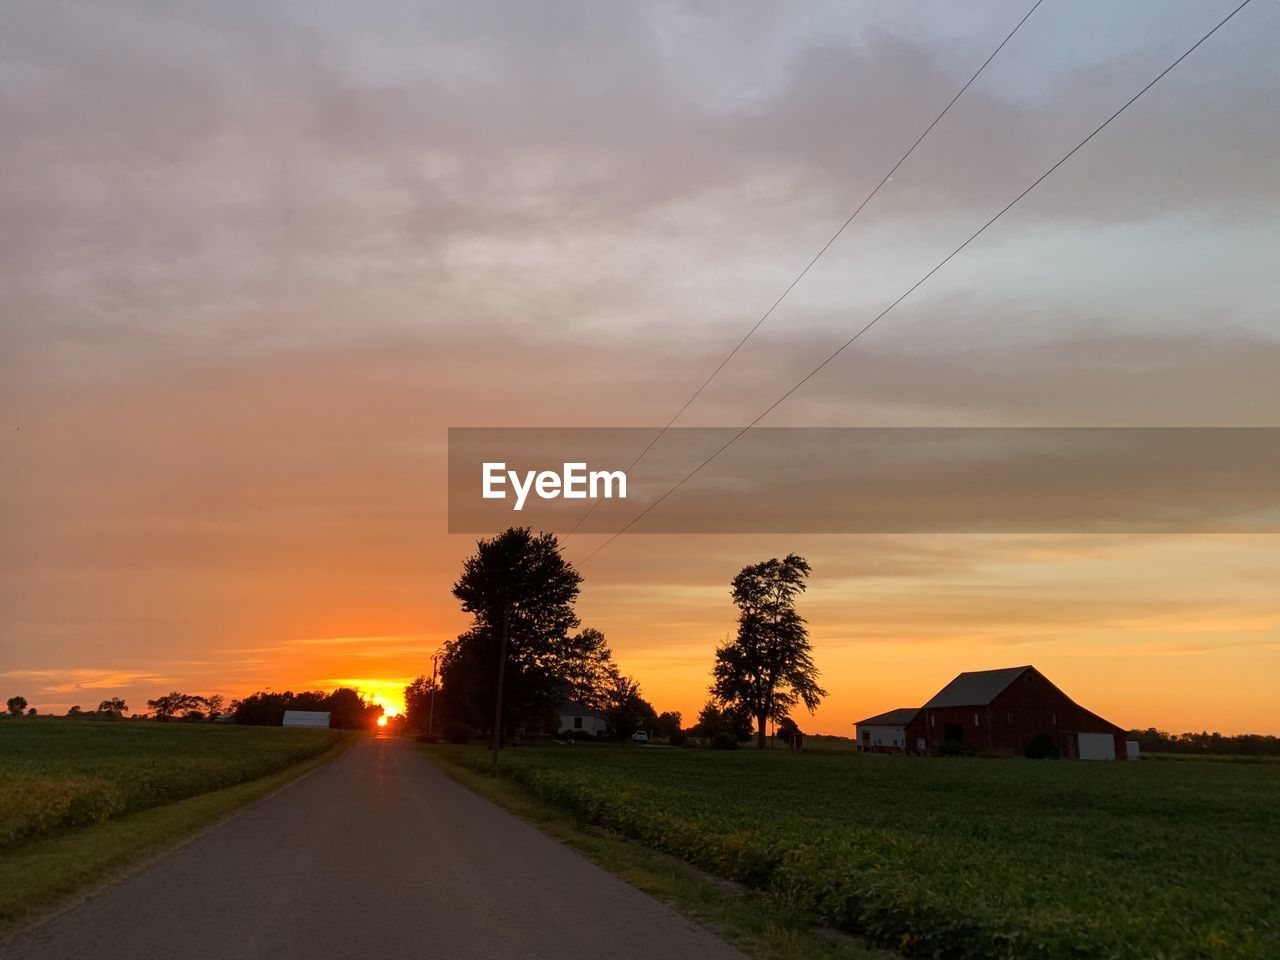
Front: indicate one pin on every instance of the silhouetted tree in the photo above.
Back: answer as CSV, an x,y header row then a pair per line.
x,y
175,704
213,705
309,700
417,701
626,711
517,581
590,675
788,732
734,720
348,710
668,723
115,707
768,668
16,705
263,709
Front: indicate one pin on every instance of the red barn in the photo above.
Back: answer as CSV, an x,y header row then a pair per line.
x,y
1003,711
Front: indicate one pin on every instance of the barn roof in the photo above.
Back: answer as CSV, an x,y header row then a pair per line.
x,y
893,718
976,688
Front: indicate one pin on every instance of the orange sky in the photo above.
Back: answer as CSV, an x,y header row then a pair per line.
x,y
258,260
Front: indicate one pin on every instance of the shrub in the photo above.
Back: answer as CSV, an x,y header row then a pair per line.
x,y
573,735
1042,747
427,738
458,732
678,739
724,741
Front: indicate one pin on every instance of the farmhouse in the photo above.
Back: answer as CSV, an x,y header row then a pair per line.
x,y
1005,711
885,732
575,718
306,718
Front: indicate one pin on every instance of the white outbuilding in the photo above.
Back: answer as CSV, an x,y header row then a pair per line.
x,y
318,719
885,732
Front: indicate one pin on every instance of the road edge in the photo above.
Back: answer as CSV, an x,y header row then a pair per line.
x,y
88,860
748,919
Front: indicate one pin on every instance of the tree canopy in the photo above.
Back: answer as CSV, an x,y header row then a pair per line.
x,y
768,668
115,706
520,579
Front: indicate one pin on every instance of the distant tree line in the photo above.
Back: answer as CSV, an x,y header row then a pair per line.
x,y
347,708
1152,740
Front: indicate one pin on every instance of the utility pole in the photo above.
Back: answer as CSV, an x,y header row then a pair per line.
x,y
431,701
497,706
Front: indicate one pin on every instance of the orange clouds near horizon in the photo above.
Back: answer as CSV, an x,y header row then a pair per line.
x,y
259,259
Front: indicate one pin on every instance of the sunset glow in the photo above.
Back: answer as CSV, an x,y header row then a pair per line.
x,y
249,302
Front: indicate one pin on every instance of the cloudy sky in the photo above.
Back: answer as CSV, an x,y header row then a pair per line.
x,y
258,257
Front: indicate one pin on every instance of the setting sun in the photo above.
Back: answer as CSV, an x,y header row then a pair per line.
x,y
382,720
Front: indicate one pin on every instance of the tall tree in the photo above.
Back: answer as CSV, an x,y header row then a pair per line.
x,y
519,586
115,707
16,705
768,668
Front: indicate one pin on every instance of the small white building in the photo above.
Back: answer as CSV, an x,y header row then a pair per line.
x,y
318,719
575,718
885,732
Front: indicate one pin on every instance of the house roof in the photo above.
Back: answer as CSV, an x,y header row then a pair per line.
x,y
976,688
571,708
893,718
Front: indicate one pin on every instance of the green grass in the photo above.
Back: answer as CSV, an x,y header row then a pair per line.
x,y
66,773
757,924
955,858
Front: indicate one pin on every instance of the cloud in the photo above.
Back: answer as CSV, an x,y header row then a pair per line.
x,y
258,258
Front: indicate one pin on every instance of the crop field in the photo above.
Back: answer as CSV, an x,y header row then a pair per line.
x,y
955,858
56,774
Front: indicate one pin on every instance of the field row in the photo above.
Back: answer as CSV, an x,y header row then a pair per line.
x,y
956,858
58,774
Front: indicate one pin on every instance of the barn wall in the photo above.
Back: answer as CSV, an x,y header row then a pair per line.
x,y
1029,706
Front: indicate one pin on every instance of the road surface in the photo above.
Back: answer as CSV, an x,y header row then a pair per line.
x,y
375,855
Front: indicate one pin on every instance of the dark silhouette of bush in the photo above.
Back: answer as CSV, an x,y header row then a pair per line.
x,y
724,741
1042,747
678,739
457,732
953,748
427,738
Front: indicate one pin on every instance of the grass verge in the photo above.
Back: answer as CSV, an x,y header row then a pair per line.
x,y
43,872
754,923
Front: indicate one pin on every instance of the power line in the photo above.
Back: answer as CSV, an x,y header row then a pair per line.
x,y
941,263
818,256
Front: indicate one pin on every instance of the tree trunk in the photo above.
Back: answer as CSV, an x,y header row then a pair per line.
x,y
760,733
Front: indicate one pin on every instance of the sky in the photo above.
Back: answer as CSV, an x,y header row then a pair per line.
x,y
257,258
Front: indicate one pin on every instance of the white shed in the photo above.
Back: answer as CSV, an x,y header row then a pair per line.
x,y
885,732
575,718
307,718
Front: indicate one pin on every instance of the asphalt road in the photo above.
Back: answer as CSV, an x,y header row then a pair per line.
x,y
374,855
